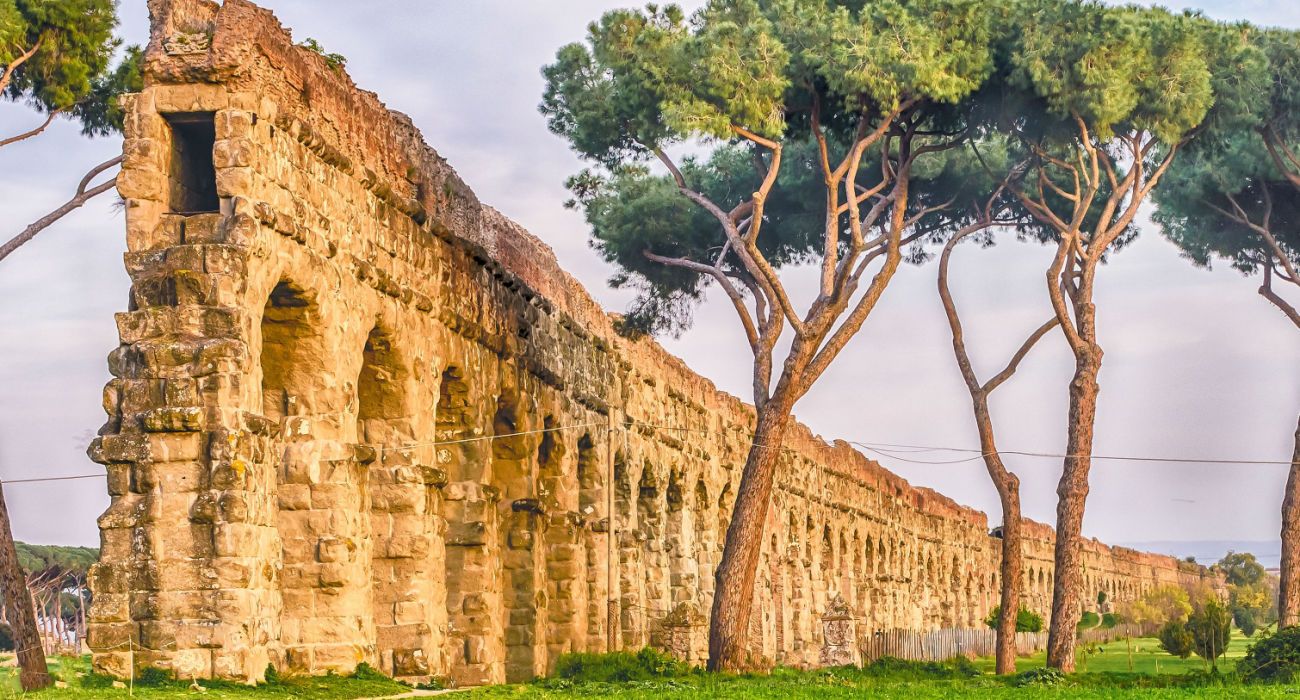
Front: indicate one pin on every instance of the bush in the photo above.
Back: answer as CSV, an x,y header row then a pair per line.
x,y
1109,620
1176,639
1040,677
366,672
1211,627
1244,618
1088,620
619,667
902,669
6,637
1275,658
1026,620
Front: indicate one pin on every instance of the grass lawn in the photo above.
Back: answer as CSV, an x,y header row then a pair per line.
x,y
73,671
1107,676
1148,659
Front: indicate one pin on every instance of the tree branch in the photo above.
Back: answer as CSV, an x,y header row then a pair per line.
x,y
82,196
744,246
1266,291
49,117
8,73
737,299
997,379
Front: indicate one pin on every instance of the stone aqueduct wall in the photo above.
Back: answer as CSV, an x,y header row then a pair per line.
x,y
288,363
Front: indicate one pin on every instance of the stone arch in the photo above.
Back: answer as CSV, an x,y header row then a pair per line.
x,y
552,491
394,504
318,478
826,566
593,511
292,342
844,571
652,516
522,566
382,388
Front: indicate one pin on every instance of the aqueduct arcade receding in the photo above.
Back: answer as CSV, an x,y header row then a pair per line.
x,y
357,416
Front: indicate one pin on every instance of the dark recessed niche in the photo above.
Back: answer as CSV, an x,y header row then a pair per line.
x,y
193,177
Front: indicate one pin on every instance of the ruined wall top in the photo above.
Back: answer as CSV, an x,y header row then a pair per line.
x,y
244,47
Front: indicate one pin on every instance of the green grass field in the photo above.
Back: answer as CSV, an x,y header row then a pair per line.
x,y
1154,674
73,671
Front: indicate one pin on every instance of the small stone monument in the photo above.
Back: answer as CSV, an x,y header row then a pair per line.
x,y
681,633
838,647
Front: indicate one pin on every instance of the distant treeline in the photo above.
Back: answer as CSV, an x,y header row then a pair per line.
x,y
39,558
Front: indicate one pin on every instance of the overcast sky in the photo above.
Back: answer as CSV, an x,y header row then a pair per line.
x,y
1197,364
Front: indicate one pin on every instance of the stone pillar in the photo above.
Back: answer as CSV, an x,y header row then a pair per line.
x,y
186,579
410,597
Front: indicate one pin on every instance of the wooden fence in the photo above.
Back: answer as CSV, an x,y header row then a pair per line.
x,y
940,645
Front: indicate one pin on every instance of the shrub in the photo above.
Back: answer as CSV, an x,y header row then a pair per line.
x,y
895,668
1026,620
6,637
1210,627
1040,677
366,672
1275,658
1088,620
619,667
271,676
1176,639
1109,620
1244,618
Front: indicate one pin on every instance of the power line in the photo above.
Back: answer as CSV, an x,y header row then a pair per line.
x,y
33,480
894,451
886,448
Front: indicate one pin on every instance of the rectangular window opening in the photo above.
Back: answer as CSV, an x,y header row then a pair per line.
x,y
193,177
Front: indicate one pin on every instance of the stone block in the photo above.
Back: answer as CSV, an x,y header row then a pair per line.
x,y
471,534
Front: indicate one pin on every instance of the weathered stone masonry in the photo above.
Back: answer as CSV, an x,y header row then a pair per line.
x,y
323,300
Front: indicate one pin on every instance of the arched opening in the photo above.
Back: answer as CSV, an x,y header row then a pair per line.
x,y
394,513
651,515
381,387
317,481
522,585
550,469
292,347
593,509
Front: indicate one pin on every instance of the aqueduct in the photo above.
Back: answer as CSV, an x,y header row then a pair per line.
x,y
356,415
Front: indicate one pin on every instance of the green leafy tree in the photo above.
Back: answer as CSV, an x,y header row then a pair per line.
x,y
1158,606
826,123
1103,99
1240,569
1235,197
55,55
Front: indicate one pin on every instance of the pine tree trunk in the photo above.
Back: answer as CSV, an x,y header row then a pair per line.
x,y
33,673
1288,605
733,596
1005,650
1008,487
1072,495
